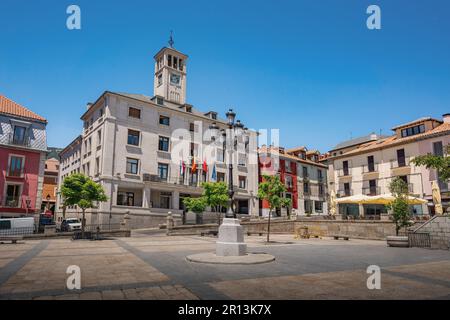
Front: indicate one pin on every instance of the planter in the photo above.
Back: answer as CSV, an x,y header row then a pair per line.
x,y
397,241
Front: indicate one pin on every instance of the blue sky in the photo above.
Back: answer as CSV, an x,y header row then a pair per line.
x,y
310,68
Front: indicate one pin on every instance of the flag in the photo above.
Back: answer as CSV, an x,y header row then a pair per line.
x,y
204,166
214,174
183,168
194,166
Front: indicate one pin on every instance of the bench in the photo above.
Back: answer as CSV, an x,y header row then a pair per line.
x,y
211,232
337,237
13,239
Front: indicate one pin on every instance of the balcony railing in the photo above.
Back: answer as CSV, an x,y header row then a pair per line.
x,y
371,191
344,172
16,141
344,193
176,180
370,168
395,163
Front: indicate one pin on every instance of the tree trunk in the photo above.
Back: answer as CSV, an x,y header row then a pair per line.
x,y
268,226
83,221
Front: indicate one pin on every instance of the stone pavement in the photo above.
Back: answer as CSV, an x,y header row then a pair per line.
x,y
153,266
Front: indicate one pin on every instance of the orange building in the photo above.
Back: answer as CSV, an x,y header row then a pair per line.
x,y
50,185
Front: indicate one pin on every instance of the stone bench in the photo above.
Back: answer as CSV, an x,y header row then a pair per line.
x,y
13,239
260,233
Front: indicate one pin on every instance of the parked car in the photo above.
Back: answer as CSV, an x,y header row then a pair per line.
x,y
16,226
70,224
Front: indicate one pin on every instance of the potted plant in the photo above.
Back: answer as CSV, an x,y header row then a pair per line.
x,y
400,212
195,206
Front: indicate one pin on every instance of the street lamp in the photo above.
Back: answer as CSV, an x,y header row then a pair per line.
x,y
231,237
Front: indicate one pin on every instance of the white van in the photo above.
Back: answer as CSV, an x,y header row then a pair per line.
x,y
16,226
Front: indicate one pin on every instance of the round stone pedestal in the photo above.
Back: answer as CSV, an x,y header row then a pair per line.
x,y
248,258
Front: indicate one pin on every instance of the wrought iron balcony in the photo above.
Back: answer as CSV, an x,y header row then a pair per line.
x,y
19,141
370,168
371,191
344,193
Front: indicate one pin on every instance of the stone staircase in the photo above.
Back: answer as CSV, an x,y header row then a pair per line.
x,y
438,228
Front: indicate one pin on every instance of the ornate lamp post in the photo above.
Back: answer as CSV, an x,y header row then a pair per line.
x,y
231,238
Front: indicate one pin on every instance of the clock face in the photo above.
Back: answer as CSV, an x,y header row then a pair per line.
x,y
175,79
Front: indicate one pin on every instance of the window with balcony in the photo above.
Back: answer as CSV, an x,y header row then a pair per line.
x,y
288,181
345,168
319,175
132,166
163,144
305,172
13,195
347,189
16,166
242,159
372,187
321,190
306,188
318,206
242,182
163,171
19,135
308,206
133,137
370,164
164,120
401,160
220,155
287,166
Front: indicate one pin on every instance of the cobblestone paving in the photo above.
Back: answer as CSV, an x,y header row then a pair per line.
x,y
154,267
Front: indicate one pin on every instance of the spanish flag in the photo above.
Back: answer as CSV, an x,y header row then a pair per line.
x,y
204,166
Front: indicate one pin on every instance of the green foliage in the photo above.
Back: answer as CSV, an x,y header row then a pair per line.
x,y
78,189
439,163
215,194
399,206
197,205
271,189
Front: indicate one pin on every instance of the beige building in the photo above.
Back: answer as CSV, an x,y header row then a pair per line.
x,y
366,165
150,152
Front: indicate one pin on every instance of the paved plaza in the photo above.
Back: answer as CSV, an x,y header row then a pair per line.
x,y
150,265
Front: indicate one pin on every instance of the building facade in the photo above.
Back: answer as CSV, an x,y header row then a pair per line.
x,y
150,152
366,166
304,177
23,149
50,186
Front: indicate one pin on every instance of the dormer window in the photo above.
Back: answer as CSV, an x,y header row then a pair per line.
x,y
411,131
19,135
188,109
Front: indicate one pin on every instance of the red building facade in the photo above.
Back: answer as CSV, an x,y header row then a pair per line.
x,y
22,158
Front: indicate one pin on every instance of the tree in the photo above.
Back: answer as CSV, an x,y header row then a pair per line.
x,y
215,195
271,189
197,205
399,206
78,189
440,163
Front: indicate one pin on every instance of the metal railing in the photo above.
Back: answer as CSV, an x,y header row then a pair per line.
x,y
17,231
344,173
372,168
419,239
396,164
371,191
14,140
343,193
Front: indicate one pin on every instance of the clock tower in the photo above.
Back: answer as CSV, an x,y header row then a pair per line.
x,y
170,74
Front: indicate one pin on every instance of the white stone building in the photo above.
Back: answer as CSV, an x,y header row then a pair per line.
x,y
142,149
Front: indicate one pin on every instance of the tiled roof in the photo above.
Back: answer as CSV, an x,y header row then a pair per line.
x,y
356,141
415,121
7,106
391,141
275,151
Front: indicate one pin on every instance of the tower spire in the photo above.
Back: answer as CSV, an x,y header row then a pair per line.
x,y
171,42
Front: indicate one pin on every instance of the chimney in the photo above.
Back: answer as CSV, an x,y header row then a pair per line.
x,y
373,136
446,118
88,105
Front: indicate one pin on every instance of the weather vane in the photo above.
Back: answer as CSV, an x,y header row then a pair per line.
x,y
171,42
